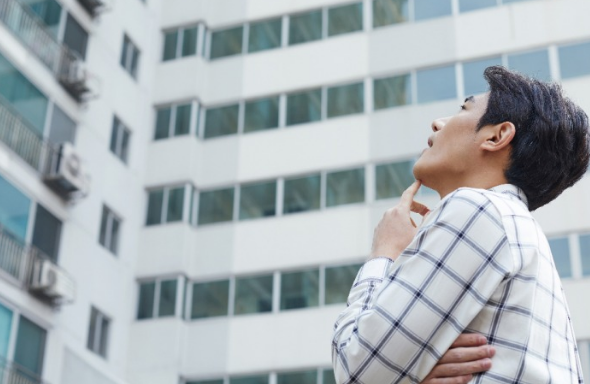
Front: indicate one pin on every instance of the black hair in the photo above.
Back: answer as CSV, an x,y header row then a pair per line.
x,y
551,146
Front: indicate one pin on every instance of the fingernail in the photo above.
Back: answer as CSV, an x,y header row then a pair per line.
x,y
491,351
486,363
482,339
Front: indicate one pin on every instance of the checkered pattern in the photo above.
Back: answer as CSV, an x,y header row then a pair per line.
x,y
479,263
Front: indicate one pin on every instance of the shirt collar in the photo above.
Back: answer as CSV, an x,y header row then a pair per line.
x,y
512,190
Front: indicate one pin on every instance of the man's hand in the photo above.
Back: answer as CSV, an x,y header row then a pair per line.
x,y
469,354
396,229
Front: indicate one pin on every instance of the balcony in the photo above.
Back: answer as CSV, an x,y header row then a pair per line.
x,y
13,373
67,67
94,7
29,268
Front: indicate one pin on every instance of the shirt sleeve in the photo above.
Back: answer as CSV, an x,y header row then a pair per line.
x,y
403,315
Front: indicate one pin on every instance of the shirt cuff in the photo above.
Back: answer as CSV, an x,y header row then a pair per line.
x,y
374,269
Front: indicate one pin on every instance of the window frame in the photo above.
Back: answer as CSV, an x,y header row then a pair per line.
x,y
121,130
111,217
94,341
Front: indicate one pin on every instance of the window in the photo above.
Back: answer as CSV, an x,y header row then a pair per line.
x,y
574,60
155,205
218,381
62,129
470,5
210,299
173,121
428,9
253,294
226,42
190,37
302,377
345,187
345,19
328,376
265,35
221,121
75,37
304,107
535,64
300,289
47,232
561,256
98,332
392,179
180,43
49,11
14,210
166,205
261,114
129,57
120,139
392,91
305,27
175,204
30,348
436,84
302,194
345,100
260,379
257,200
170,45
387,12
473,79
216,206
157,299
109,230
338,282
585,254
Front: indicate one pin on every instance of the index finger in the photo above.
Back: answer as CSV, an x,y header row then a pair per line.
x,y
408,196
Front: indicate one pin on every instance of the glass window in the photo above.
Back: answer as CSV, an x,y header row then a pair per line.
x,y
47,232
302,194
183,119
260,379
62,129
216,206
129,56
392,179
49,11
574,60
265,35
98,332
147,295
175,204
339,281
345,99
304,107
392,91
189,41
167,305
253,294
561,256
163,122
210,299
221,121
387,12
155,203
120,139
30,349
534,64
585,254
328,376
258,200
345,19
436,84
305,377
5,330
261,114
428,9
470,5
218,381
512,1
305,27
109,230
473,79
227,42
345,187
14,210
170,43
75,37
300,289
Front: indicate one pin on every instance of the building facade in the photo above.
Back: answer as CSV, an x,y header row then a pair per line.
x,y
188,188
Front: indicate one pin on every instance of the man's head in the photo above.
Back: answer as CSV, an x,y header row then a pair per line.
x,y
523,131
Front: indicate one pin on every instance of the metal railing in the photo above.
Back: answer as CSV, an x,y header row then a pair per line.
x,y
13,373
64,63
21,138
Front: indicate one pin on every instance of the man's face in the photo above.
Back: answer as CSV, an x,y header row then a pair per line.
x,y
452,148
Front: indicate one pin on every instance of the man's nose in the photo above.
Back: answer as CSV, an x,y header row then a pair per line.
x,y
439,124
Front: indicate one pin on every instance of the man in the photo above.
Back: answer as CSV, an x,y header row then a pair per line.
x,y
479,263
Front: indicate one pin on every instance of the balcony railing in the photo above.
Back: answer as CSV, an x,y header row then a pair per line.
x,y
13,373
64,63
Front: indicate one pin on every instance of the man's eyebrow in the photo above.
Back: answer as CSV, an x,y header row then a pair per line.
x,y
470,98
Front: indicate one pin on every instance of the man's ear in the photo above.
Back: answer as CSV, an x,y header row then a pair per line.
x,y
498,136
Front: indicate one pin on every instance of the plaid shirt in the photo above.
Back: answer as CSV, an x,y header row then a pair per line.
x,y
479,263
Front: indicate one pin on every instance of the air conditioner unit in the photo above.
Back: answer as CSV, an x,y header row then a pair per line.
x,y
50,281
67,174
